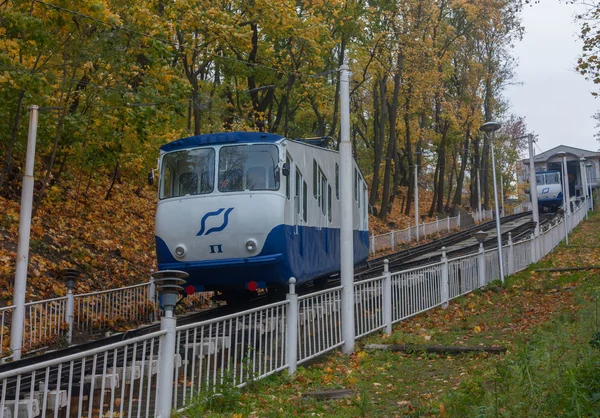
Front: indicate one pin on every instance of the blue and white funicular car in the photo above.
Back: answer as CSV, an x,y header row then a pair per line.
x,y
549,190
245,210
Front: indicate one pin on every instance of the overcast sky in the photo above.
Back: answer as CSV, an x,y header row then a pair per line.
x,y
554,99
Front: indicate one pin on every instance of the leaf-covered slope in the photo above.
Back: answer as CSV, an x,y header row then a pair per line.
x,y
110,241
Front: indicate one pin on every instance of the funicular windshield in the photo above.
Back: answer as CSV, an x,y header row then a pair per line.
x,y
188,172
248,167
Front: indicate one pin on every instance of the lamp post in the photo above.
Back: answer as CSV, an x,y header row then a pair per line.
x,y
479,194
533,188
565,187
589,182
487,128
346,228
583,177
169,283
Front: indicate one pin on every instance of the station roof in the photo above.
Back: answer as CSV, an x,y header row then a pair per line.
x,y
220,139
575,152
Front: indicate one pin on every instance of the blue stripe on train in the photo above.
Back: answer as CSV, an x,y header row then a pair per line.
x,y
309,254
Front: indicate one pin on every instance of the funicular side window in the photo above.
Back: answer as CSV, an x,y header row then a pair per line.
x,y
304,201
287,179
329,202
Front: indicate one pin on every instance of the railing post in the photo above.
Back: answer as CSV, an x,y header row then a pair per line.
x,y
291,349
387,297
70,314
373,243
458,220
511,255
393,240
409,227
70,276
445,288
448,222
532,245
481,265
152,289
437,225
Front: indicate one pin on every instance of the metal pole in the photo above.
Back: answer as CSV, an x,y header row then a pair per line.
x,y
511,255
591,190
166,364
445,285
346,224
502,192
498,231
533,188
567,191
291,353
387,297
479,191
565,209
18,320
416,202
70,314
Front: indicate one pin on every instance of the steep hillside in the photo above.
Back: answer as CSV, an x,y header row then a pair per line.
x,y
110,241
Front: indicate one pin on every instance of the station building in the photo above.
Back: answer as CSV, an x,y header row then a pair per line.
x,y
577,158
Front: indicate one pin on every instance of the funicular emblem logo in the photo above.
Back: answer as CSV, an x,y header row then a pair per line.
x,y
216,213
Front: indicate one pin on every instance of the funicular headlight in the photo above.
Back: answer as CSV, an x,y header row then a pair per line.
x,y
251,245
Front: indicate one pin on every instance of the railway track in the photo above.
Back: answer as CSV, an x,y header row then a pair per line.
x,y
373,268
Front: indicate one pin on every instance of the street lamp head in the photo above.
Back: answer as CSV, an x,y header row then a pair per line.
x,y
588,165
490,126
169,285
480,236
561,154
582,159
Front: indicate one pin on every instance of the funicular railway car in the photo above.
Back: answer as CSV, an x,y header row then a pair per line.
x,y
242,211
549,190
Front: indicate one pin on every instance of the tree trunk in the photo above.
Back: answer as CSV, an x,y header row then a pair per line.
x,y
475,168
451,180
485,172
441,173
196,110
114,179
463,166
13,139
391,149
409,155
379,136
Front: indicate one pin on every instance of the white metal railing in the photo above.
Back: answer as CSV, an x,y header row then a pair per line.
x,y
394,238
100,310
368,302
522,207
49,321
319,323
115,380
416,290
232,350
45,321
132,378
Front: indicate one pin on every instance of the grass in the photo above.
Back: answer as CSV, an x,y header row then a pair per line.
x,y
549,323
